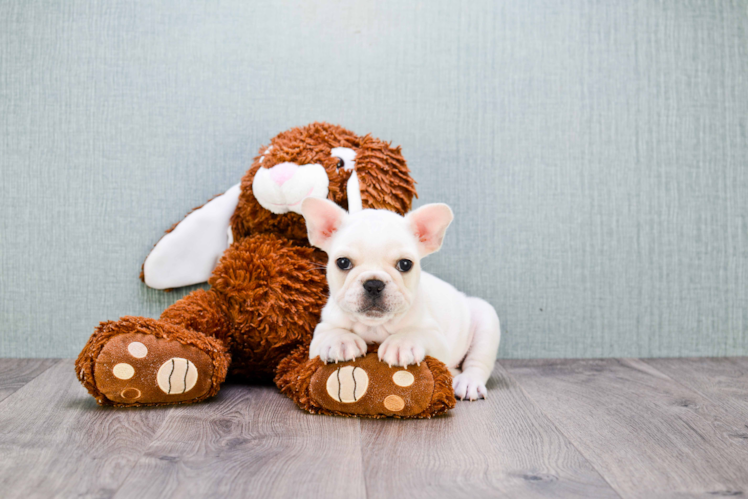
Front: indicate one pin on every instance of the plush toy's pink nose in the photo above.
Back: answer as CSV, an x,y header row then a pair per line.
x,y
282,172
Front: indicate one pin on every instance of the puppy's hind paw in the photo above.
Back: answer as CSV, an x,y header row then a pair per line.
x,y
468,386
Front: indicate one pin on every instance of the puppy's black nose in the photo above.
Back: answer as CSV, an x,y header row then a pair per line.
x,y
373,287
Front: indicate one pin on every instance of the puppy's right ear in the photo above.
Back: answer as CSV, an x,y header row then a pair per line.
x,y
429,224
323,218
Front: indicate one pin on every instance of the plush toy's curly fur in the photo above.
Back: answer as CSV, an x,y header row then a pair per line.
x,y
383,175
269,287
84,365
295,376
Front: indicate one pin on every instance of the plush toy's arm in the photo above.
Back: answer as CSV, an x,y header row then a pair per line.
x,y
188,253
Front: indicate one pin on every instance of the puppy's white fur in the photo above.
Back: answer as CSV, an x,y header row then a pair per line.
x,y
415,314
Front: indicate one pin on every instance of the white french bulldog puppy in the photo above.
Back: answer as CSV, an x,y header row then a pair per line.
x,y
378,294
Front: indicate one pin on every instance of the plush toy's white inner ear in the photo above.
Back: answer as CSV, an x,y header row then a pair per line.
x,y
353,190
188,254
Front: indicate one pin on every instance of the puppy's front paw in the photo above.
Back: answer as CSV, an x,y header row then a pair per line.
x,y
343,347
399,351
468,386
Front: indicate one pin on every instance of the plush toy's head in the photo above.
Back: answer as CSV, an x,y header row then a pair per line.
x,y
318,160
323,161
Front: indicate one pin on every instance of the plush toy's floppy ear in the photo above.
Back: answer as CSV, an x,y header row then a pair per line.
x,y
429,223
323,218
384,176
188,253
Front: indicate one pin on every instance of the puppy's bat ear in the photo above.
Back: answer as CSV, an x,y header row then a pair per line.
x,y
188,253
429,224
323,218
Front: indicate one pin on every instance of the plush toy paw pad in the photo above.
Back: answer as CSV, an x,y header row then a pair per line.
x,y
177,376
347,384
403,378
137,349
123,371
394,403
131,394
138,368
366,386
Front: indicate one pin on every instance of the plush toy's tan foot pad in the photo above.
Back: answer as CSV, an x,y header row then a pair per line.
x,y
366,386
137,368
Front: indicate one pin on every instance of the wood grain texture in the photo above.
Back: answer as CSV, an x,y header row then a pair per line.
x,y
56,442
15,373
724,381
572,428
501,447
647,434
250,442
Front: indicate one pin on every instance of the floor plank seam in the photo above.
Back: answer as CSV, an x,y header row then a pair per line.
x,y
680,382
6,398
560,430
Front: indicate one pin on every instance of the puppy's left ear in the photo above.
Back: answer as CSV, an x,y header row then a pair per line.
x,y
323,217
429,223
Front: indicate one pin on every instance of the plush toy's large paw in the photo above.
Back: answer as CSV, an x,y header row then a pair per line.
x,y
139,361
367,387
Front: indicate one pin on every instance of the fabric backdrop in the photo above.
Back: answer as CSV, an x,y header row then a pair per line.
x,y
595,153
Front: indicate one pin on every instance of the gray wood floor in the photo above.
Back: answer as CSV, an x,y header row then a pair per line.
x,y
550,428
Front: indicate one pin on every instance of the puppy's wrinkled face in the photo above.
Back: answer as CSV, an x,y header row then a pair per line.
x,y
374,256
374,266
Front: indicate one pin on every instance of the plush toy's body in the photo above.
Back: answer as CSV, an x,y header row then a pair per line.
x,y
267,290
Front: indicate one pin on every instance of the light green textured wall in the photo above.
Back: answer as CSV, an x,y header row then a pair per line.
x,y
595,153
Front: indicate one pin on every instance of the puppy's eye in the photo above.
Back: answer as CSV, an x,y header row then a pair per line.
x,y
341,163
404,265
344,264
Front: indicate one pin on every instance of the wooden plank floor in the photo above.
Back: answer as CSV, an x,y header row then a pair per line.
x,y
550,428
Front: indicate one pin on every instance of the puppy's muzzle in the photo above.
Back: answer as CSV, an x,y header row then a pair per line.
x,y
374,288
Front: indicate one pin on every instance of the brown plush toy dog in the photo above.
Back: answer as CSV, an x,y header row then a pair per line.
x,y
267,290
